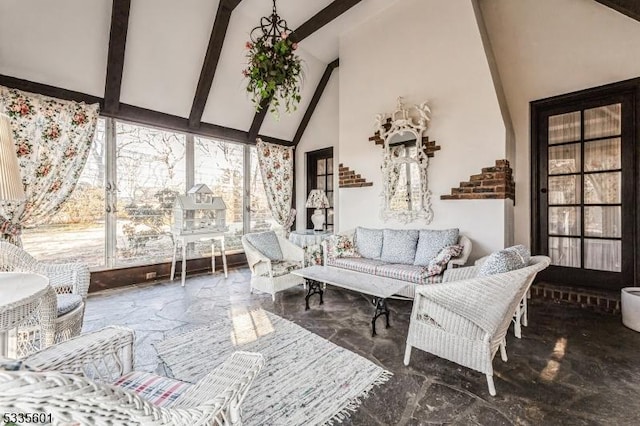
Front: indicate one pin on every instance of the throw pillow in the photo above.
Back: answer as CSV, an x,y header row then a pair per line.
x,y
267,244
399,245
340,246
368,242
439,263
522,251
500,262
431,242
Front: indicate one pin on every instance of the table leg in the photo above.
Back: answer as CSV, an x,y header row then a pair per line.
x,y
184,262
223,253
381,308
315,287
213,256
173,261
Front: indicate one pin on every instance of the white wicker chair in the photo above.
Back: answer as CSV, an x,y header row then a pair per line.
x,y
75,386
65,278
466,321
274,276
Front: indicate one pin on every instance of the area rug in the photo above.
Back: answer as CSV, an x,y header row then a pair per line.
x,y
306,380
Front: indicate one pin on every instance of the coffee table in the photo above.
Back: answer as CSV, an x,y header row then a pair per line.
x,y
379,287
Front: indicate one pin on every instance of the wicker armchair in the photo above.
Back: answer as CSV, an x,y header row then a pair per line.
x,y
273,276
75,386
69,280
466,321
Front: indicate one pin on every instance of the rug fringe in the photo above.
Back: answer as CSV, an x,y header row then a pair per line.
x,y
354,403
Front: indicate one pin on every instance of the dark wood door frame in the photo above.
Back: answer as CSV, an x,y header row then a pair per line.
x,y
311,161
577,100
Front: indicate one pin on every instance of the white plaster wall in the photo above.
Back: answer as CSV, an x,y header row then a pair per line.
x,y
321,132
423,49
546,48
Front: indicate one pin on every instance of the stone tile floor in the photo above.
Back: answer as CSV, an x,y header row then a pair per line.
x,y
572,366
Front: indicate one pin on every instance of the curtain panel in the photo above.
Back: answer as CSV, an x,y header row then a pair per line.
x,y
276,168
52,139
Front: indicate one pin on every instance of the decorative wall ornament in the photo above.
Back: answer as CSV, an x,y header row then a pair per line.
x,y
274,70
405,196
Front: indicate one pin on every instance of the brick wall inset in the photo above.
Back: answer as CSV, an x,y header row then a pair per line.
x,y
349,179
493,183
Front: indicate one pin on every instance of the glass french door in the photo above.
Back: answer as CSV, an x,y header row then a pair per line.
x,y
585,191
320,176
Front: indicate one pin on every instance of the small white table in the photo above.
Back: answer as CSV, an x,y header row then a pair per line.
x,y
308,237
185,239
21,294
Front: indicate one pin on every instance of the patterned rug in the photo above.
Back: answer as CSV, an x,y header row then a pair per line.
x,y
306,380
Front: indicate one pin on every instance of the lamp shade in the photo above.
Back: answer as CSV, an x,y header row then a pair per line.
x,y
10,181
317,199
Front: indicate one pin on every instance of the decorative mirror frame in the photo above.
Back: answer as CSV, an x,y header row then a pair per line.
x,y
413,119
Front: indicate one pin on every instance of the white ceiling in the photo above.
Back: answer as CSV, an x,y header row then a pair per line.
x,y
64,44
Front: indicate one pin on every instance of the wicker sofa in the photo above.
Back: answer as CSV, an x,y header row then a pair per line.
x,y
401,254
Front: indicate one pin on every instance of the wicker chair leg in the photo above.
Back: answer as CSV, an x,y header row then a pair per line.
x,y
407,355
492,387
273,297
503,350
525,322
517,328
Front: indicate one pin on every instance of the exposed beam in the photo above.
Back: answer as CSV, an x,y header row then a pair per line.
x,y
314,101
210,64
631,8
137,114
258,118
322,18
115,56
313,24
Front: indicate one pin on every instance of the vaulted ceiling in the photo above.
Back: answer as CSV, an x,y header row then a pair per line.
x,y
175,62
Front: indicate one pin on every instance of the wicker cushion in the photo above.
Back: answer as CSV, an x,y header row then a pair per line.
x,y
283,267
430,243
358,264
410,273
439,263
500,262
399,245
158,390
368,242
68,302
267,244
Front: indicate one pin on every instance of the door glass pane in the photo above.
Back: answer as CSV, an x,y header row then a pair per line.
x,y
329,183
564,128
260,218
564,189
602,188
564,251
564,159
603,255
320,182
602,155
603,221
602,121
329,165
564,221
151,171
321,167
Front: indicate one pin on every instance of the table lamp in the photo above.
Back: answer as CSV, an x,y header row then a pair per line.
x,y
10,181
317,200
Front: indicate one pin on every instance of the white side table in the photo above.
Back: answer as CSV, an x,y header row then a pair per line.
x,y
185,239
21,295
308,237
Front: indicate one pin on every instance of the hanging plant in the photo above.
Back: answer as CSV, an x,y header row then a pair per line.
x,y
274,71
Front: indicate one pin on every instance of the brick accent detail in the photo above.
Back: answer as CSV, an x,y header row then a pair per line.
x,y
349,178
430,147
493,183
592,299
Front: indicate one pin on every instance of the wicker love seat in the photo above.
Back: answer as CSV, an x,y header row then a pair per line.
x,y
418,256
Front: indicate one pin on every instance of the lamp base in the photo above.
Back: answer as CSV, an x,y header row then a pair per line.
x,y
318,220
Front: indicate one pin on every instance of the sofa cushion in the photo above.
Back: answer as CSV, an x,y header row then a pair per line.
x,y
500,262
341,246
399,245
399,271
439,263
158,390
431,241
368,242
358,264
266,243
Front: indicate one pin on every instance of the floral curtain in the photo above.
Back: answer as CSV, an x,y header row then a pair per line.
x,y
52,140
276,167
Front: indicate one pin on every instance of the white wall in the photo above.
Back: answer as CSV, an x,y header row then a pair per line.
x,y
321,132
546,48
423,49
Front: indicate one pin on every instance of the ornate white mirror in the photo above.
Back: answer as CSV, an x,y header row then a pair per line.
x,y
406,196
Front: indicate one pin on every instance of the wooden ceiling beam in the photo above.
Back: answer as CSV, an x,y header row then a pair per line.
x,y
631,8
313,24
210,64
115,56
314,101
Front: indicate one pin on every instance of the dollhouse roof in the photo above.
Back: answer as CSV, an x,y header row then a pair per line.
x,y
200,188
185,202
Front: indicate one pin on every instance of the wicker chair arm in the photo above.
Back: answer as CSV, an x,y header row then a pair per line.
x,y
253,256
67,277
291,251
105,354
458,274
